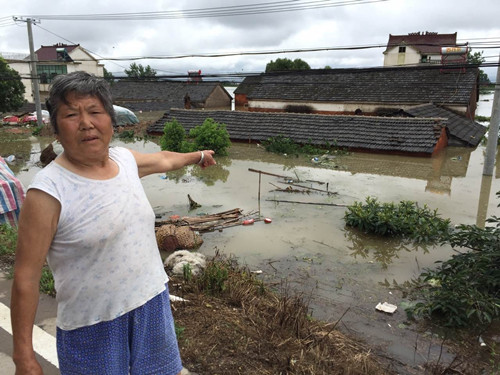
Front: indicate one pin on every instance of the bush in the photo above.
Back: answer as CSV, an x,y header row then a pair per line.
x,y
405,219
208,136
464,290
173,138
211,135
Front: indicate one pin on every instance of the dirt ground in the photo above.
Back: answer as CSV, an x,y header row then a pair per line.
x,y
246,328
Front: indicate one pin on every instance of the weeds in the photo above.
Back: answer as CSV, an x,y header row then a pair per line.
x,y
47,285
8,239
482,118
178,331
247,326
284,145
213,280
187,272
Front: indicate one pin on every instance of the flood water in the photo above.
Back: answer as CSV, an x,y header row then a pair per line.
x,y
309,244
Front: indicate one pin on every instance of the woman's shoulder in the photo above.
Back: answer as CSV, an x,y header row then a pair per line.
x,y
123,155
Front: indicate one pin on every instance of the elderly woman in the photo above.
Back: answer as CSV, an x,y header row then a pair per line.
x,y
88,215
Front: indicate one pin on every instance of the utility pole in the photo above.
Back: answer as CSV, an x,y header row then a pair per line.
x,y
489,160
34,75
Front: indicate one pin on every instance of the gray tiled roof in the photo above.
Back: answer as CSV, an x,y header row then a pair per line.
x,y
383,134
466,131
160,95
408,85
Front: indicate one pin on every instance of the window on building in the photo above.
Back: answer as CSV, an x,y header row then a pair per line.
x,y
48,72
402,49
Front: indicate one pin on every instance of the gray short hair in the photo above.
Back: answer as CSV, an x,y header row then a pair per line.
x,y
80,83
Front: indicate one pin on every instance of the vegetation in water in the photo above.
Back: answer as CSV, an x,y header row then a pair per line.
x,y
210,135
284,145
482,118
464,290
406,219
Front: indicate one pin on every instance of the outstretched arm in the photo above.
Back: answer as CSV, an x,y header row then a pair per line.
x,y
37,227
165,161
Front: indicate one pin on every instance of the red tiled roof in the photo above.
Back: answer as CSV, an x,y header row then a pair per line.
x,y
50,52
423,42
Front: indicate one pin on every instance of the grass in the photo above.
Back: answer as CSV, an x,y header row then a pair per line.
x,y
249,328
8,239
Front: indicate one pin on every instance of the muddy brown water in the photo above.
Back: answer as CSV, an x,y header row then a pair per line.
x,y
340,271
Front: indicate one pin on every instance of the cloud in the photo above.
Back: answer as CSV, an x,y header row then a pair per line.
x,y
364,24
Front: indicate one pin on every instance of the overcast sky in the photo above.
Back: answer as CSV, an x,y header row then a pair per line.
x,y
357,23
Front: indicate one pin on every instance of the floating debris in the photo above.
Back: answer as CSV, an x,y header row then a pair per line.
x,y
386,307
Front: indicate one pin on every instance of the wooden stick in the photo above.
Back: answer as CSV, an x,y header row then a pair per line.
x,y
269,174
319,204
310,188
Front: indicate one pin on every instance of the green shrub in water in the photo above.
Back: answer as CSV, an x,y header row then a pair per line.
x,y
406,219
464,290
211,135
173,138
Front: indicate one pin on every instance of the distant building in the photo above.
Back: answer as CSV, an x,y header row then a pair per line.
x,y
51,61
164,95
194,76
363,91
417,48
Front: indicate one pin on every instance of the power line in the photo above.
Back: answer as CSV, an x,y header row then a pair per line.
x,y
226,11
252,53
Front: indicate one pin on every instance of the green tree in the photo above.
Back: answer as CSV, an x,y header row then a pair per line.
x,y
173,138
108,76
211,135
477,58
286,64
140,72
11,88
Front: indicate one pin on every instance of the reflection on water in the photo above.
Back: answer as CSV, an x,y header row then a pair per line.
x,y
382,250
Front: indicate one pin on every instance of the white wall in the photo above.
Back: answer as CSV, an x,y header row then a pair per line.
x,y
23,68
339,107
84,61
393,58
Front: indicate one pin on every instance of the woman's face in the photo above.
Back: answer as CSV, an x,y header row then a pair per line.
x,y
85,128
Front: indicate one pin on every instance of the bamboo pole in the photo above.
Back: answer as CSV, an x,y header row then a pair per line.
x,y
313,203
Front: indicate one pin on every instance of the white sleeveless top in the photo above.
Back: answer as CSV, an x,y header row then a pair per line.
x,y
104,255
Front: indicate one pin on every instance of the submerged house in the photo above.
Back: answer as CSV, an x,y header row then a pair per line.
x,y
163,95
370,91
391,135
462,131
